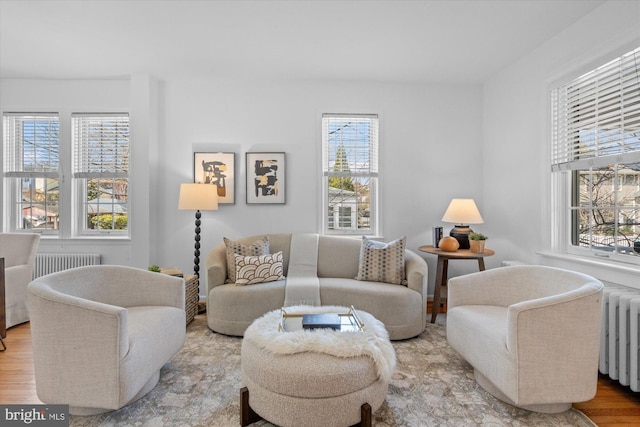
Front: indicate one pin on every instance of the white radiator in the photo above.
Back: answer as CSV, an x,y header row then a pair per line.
x,y
50,263
620,337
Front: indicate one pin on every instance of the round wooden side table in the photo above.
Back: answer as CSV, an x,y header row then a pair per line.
x,y
443,265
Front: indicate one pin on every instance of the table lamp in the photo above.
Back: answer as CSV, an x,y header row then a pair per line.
x,y
198,197
462,212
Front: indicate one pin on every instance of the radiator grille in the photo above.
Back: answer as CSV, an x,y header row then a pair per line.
x,y
620,337
50,263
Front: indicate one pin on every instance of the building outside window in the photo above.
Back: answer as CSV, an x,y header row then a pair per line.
x,y
32,171
101,171
350,173
596,160
38,200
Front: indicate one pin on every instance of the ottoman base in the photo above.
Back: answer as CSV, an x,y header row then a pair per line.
x,y
249,416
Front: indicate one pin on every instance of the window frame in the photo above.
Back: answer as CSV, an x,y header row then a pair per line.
x,y
375,220
80,178
565,196
13,178
70,198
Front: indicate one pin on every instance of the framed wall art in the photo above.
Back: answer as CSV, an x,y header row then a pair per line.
x,y
216,169
266,181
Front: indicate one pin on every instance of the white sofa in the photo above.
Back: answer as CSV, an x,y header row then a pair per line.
x,y
19,253
401,308
102,333
531,333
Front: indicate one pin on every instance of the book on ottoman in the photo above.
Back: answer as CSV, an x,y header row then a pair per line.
x,y
321,320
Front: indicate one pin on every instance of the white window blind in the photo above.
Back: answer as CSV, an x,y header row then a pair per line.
x,y
101,145
350,173
32,145
596,117
350,145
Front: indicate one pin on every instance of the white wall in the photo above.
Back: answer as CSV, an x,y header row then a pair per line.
x,y
516,133
430,146
137,96
437,142
430,152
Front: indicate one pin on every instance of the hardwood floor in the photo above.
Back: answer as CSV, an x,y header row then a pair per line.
x,y
17,382
614,405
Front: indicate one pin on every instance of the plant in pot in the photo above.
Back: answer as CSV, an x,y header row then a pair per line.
x,y
476,242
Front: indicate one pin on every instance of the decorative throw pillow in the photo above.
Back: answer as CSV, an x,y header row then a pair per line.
x,y
382,262
259,247
258,269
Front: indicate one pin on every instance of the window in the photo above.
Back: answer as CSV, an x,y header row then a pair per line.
x,y
32,170
350,173
596,159
101,167
38,147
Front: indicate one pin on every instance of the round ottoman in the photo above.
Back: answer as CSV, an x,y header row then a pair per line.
x,y
315,378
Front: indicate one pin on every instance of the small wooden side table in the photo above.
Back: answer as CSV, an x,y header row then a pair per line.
x,y
191,297
443,266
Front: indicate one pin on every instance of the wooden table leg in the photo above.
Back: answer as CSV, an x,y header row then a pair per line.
x,y
481,264
441,280
247,415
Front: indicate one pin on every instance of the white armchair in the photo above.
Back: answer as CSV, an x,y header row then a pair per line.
x,y
102,333
19,253
531,333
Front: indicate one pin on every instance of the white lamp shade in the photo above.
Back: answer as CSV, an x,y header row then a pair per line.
x,y
203,197
462,211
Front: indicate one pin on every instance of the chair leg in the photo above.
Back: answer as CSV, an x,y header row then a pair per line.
x,y
4,347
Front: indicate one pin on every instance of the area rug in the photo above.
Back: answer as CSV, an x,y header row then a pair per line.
x,y
432,386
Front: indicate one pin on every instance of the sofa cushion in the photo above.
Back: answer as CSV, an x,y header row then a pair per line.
x,y
382,262
233,308
338,256
383,299
259,247
251,270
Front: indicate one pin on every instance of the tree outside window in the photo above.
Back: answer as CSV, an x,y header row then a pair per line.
x,y
350,159
32,168
607,216
596,153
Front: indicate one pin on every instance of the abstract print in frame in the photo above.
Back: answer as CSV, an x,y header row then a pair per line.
x,y
265,178
216,169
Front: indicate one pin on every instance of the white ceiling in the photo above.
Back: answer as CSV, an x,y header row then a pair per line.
x,y
401,41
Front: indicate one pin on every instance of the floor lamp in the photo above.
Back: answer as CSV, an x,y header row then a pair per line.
x,y
198,197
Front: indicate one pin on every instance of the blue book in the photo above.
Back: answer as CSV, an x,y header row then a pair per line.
x,y
321,320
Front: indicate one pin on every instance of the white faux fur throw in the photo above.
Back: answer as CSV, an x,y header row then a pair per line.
x,y
373,341
302,286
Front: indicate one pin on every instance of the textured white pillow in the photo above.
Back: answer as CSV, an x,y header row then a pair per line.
x,y
382,262
258,269
259,247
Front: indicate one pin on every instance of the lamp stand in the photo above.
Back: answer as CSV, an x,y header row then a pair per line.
x,y
196,253
461,234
